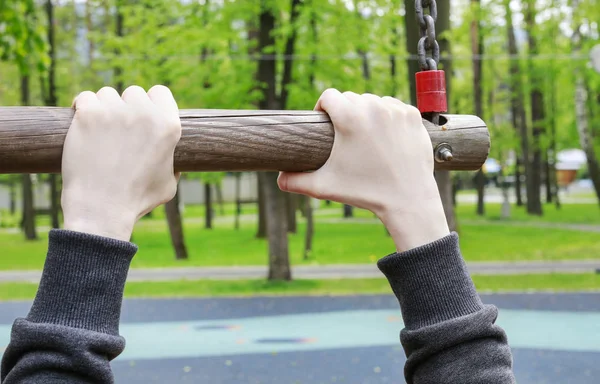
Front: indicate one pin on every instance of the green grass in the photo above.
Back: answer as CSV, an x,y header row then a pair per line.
x,y
567,214
197,211
556,282
334,243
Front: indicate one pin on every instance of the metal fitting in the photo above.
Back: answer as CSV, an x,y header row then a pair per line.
x,y
443,153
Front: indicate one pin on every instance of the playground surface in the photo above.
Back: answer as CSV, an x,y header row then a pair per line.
x,y
327,339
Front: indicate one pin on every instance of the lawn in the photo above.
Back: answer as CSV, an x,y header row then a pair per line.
x,y
335,242
567,214
556,282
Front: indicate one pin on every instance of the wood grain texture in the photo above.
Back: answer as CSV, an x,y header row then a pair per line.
x,y
31,140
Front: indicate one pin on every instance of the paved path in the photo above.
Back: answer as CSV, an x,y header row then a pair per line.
x,y
335,271
352,339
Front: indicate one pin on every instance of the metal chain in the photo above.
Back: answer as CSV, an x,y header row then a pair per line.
x,y
428,40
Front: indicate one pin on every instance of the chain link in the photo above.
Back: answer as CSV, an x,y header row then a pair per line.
x,y
428,41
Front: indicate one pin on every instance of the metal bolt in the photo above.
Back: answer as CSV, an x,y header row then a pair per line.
x,y
443,153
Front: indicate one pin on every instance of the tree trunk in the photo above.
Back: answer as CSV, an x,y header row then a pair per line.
x,y
308,209
13,197
51,96
583,128
54,201
28,209
505,210
554,111
517,104
28,219
89,28
480,180
443,178
238,186
291,205
310,227
393,65
288,65
219,192
477,51
445,187
315,40
412,32
279,263
518,185
118,70
208,214
534,181
348,211
50,99
176,228
276,212
548,177
286,80
262,210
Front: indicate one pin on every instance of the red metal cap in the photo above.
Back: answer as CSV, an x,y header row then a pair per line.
x,y
431,91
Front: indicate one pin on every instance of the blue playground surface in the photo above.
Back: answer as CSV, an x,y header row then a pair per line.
x,y
345,339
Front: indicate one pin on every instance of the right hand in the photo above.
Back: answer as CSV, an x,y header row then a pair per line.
x,y
382,160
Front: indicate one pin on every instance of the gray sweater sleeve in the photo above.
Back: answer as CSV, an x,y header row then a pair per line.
x,y
449,335
72,330
71,333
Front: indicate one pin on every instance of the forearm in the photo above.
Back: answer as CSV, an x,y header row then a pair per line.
x,y
72,330
450,336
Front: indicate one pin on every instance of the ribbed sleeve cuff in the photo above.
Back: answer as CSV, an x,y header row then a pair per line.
x,y
431,282
82,282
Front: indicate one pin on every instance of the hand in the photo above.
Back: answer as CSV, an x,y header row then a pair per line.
x,y
117,162
382,160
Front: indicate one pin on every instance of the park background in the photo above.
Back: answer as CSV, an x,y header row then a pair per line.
x,y
523,66
529,220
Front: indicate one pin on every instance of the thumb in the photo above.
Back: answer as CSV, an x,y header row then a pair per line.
x,y
300,182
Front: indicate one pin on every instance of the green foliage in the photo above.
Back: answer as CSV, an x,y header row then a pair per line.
x,y
21,35
206,52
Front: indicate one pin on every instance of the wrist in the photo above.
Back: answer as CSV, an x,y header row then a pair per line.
x,y
114,225
422,223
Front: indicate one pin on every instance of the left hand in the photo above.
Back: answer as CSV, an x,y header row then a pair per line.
x,y
117,162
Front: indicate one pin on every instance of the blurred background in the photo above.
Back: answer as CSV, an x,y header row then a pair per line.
x,y
307,289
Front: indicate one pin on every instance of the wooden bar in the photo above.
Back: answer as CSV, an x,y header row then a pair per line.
x,y
31,140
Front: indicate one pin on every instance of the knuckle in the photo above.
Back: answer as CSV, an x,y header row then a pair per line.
x,y
412,111
106,89
329,92
159,88
132,89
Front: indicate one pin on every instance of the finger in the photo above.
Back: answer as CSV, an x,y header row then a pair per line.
x,y
339,108
373,102
85,99
135,95
329,100
412,112
354,98
162,97
299,182
109,95
393,101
